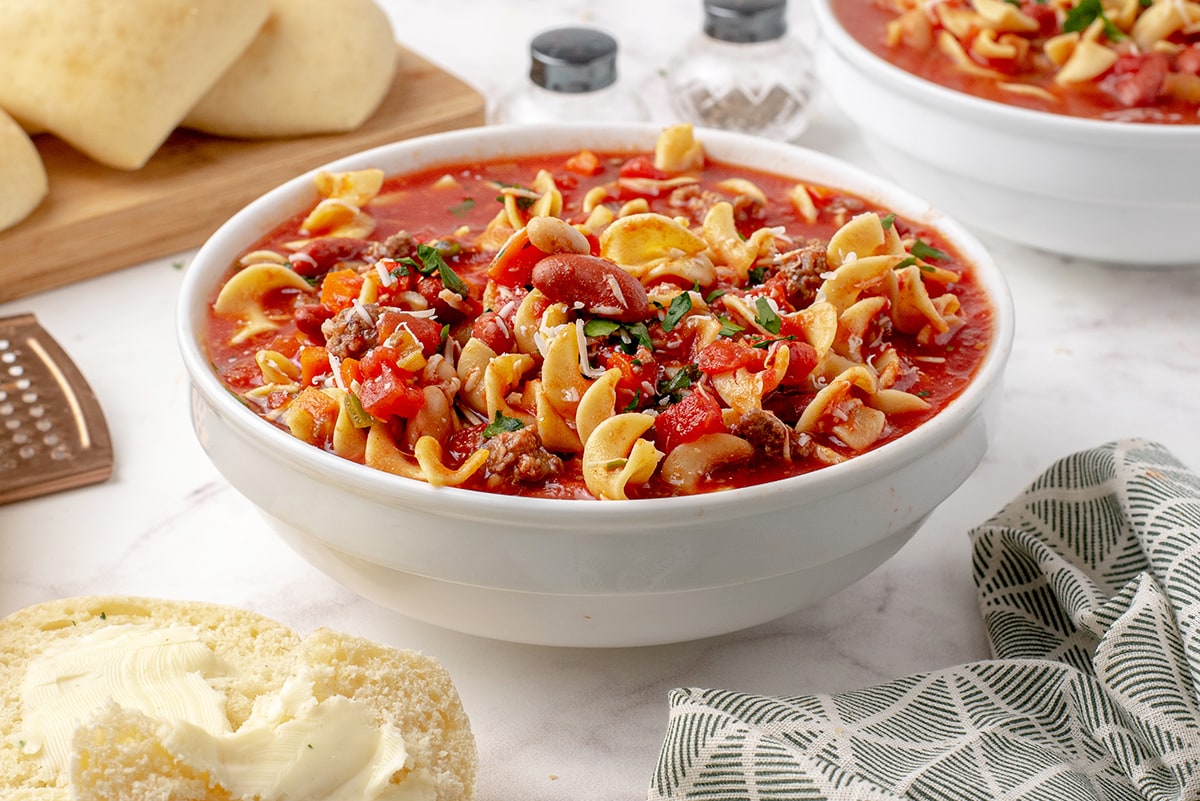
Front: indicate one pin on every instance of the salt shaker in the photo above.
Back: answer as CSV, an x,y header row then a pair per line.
x,y
572,78
744,72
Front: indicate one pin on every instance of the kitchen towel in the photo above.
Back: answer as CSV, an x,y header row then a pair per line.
x,y
1089,585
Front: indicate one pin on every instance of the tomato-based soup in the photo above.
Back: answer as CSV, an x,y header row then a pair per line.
x,y
1122,60
597,325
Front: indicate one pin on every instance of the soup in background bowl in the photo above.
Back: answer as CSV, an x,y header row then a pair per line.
x,y
1028,159
570,385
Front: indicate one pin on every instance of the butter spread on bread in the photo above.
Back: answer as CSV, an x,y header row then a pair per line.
x,y
138,698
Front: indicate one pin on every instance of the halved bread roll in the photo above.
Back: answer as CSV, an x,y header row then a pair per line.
x,y
317,66
118,697
22,174
113,79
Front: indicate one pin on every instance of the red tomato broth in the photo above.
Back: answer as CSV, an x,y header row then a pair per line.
x,y
409,203
867,20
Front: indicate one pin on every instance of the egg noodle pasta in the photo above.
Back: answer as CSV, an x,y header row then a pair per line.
x,y
597,325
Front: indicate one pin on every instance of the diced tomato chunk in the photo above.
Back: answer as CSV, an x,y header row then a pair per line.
x,y
513,265
802,358
727,355
427,330
385,390
642,167
636,370
1043,14
1137,79
688,420
1188,61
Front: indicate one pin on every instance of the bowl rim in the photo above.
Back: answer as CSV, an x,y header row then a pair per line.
x,y
266,211
995,112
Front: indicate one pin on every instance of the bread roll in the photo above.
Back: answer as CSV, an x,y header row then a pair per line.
x,y
99,673
113,79
23,182
317,66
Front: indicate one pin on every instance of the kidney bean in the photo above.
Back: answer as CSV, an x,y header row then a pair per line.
x,y
601,286
319,256
309,317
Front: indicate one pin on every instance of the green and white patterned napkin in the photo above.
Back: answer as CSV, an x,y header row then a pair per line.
x,y
1089,583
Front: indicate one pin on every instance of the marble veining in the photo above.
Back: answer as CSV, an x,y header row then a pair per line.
x,y
1101,353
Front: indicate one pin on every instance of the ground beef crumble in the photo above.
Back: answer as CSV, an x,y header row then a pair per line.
x,y
519,456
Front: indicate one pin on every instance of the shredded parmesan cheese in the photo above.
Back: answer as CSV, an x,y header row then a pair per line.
x,y
584,367
302,258
383,267
335,366
611,280
363,313
455,302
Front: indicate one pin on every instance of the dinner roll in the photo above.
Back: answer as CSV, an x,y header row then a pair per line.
x,y
113,79
317,66
23,181
121,697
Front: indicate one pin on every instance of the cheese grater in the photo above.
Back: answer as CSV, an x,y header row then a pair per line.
x,y
52,431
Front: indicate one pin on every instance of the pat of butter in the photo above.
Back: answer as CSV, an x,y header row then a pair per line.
x,y
160,672
290,747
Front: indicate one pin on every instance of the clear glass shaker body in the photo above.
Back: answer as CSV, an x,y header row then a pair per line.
x,y
572,78
744,73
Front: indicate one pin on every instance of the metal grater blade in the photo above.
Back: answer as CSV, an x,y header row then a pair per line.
x,y
52,431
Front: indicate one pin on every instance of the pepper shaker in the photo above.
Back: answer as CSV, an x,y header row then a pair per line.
x,y
572,78
744,72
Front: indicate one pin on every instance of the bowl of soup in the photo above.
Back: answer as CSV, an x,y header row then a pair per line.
x,y
1065,126
594,385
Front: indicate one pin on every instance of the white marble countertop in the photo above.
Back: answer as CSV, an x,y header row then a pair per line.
x,y
1101,353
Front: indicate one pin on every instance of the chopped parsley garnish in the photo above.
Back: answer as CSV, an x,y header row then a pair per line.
x,y
641,336
681,304
767,317
756,274
924,393
631,335
671,389
430,260
502,425
599,327
635,403
910,261
766,343
464,208
923,250
729,327
1084,13
888,220
711,296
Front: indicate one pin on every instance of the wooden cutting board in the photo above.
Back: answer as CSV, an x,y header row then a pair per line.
x,y
97,219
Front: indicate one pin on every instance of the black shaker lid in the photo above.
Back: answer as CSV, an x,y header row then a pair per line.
x,y
573,60
745,21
